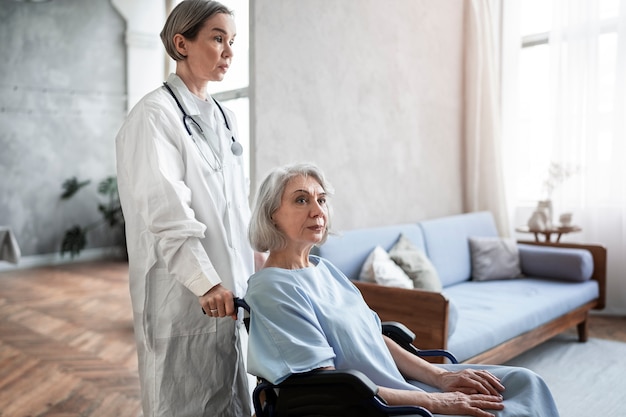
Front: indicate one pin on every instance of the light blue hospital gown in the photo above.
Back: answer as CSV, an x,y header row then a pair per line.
x,y
304,319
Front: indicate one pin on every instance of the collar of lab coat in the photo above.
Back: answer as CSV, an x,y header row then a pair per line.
x,y
189,104
183,95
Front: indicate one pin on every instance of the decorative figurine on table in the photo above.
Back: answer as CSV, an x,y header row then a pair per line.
x,y
538,221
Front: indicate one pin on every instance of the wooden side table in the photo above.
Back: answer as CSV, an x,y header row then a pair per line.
x,y
547,234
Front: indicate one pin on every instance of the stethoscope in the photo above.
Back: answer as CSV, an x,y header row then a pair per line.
x,y
235,146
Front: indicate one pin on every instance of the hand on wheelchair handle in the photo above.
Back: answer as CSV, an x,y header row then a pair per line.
x,y
239,302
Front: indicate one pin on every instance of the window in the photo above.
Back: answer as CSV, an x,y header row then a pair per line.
x,y
233,90
564,100
564,46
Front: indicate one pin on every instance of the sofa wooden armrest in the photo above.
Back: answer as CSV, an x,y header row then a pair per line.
x,y
424,312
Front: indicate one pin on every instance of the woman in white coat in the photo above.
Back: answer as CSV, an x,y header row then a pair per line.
x,y
185,203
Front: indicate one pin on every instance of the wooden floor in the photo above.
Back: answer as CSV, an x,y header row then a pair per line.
x,y
67,347
66,342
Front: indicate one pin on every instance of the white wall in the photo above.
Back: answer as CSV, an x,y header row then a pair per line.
x,y
371,91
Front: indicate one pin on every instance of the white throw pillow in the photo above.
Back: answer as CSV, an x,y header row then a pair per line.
x,y
494,258
381,269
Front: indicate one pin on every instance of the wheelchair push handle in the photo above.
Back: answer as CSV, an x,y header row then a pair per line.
x,y
239,302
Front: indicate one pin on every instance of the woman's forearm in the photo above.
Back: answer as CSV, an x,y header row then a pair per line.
x,y
404,397
413,367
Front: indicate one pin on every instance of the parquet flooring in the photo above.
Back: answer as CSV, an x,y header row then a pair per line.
x,y
607,327
67,346
66,342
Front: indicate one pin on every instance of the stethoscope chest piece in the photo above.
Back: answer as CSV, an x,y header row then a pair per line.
x,y
236,148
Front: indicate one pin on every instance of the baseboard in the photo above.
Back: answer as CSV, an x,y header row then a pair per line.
x,y
609,311
34,261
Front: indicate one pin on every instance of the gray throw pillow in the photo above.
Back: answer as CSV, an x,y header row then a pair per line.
x,y
415,264
494,258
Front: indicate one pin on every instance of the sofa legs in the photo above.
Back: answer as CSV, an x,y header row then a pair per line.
x,y
583,330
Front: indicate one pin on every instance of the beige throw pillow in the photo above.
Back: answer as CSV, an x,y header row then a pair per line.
x,y
415,264
379,268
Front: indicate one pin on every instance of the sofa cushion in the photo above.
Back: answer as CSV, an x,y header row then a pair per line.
x,y
415,264
494,258
492,312
447,244
557,263
349,250
381,269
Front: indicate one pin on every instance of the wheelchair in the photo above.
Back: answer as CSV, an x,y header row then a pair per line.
x,y
334,393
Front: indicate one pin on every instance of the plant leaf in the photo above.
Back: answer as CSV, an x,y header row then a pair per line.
x,y
71,187
108,186
74,241
112,214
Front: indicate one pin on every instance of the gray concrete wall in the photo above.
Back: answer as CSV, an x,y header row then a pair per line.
x,y
371,91
62,99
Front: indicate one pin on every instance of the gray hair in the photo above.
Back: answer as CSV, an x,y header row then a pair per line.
x,y
187,19
263,235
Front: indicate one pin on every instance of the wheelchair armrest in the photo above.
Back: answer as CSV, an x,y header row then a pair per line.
x,y
404,337
436,353
325,377
398,332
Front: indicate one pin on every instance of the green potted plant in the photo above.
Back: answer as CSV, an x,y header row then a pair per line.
x,y
75,238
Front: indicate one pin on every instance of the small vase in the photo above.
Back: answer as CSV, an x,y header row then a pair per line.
x,y
565,219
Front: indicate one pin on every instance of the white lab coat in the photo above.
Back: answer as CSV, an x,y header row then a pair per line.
x,y
186,231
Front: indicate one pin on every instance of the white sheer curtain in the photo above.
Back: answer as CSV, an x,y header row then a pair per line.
x,y
584,110
483,182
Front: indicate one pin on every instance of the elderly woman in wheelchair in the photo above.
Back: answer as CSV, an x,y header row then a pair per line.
x,y
306,315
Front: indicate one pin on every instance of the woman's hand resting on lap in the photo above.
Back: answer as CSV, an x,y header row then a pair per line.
x,y
468,392
458,403
448,403
470,381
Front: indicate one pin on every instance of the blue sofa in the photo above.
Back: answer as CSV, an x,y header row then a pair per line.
x,y
479,321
